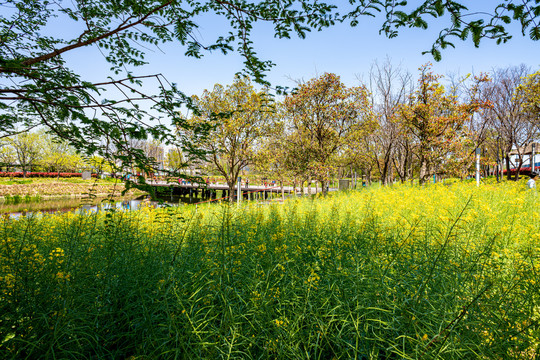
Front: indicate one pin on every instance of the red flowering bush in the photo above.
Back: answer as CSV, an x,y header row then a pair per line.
x,y
19,174
526,170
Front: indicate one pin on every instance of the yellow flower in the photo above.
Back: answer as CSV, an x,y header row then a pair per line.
x,y
61,276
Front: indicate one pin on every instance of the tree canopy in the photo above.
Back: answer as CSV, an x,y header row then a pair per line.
x,y
436,120
238,117
326,114
38,88
529,93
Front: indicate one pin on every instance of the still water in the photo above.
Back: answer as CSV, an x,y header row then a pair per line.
x,y
78,204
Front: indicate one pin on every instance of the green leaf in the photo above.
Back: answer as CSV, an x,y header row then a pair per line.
x,y
534,33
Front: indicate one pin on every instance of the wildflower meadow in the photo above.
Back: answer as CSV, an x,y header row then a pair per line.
x,y
400,272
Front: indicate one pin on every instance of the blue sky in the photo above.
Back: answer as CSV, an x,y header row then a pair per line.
x,y
348,52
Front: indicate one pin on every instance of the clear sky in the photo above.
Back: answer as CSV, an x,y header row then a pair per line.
x,y
348,52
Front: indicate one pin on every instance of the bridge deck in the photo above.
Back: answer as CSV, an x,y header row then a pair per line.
x,y
250,188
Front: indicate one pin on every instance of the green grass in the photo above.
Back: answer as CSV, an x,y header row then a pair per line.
x,y
7,181
18,181
389,273
17,199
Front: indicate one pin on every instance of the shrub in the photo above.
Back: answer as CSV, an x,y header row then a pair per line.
x,y
20,174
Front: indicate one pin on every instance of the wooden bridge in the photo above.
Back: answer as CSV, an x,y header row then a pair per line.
x,y
210,191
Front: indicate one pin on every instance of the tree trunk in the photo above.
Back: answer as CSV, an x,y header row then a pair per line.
x,y
508,175
520,163
390,177
231,190
423,171
401,171
386,167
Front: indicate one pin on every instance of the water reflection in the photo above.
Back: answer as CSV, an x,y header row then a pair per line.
x,y
83,205
132,204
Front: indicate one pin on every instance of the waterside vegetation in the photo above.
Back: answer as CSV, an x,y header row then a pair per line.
x,y
382,273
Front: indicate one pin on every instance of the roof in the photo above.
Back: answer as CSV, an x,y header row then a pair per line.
x,y
526,150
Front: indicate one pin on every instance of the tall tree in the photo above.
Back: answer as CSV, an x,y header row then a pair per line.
x,y
507,115
273,158
390,86
435,120
475,130
238,116
358,153
296,159
529,93
325,114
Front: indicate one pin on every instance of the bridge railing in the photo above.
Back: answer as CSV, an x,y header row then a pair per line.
x,y
248,192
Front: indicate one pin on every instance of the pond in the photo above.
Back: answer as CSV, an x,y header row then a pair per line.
x,y
60,205
65,204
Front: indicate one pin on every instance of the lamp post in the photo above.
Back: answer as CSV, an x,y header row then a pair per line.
x,y
239,190
498,168
532,157
477,166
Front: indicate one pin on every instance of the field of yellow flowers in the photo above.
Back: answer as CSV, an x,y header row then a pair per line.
x,y
449,272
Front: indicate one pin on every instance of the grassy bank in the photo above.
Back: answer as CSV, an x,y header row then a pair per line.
x,y
389,273
45,187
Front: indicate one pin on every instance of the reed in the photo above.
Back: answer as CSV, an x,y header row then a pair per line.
x,y
390,273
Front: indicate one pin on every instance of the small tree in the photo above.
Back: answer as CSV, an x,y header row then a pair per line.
x,y
28,149
174,160
99,164
8,156
58,155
